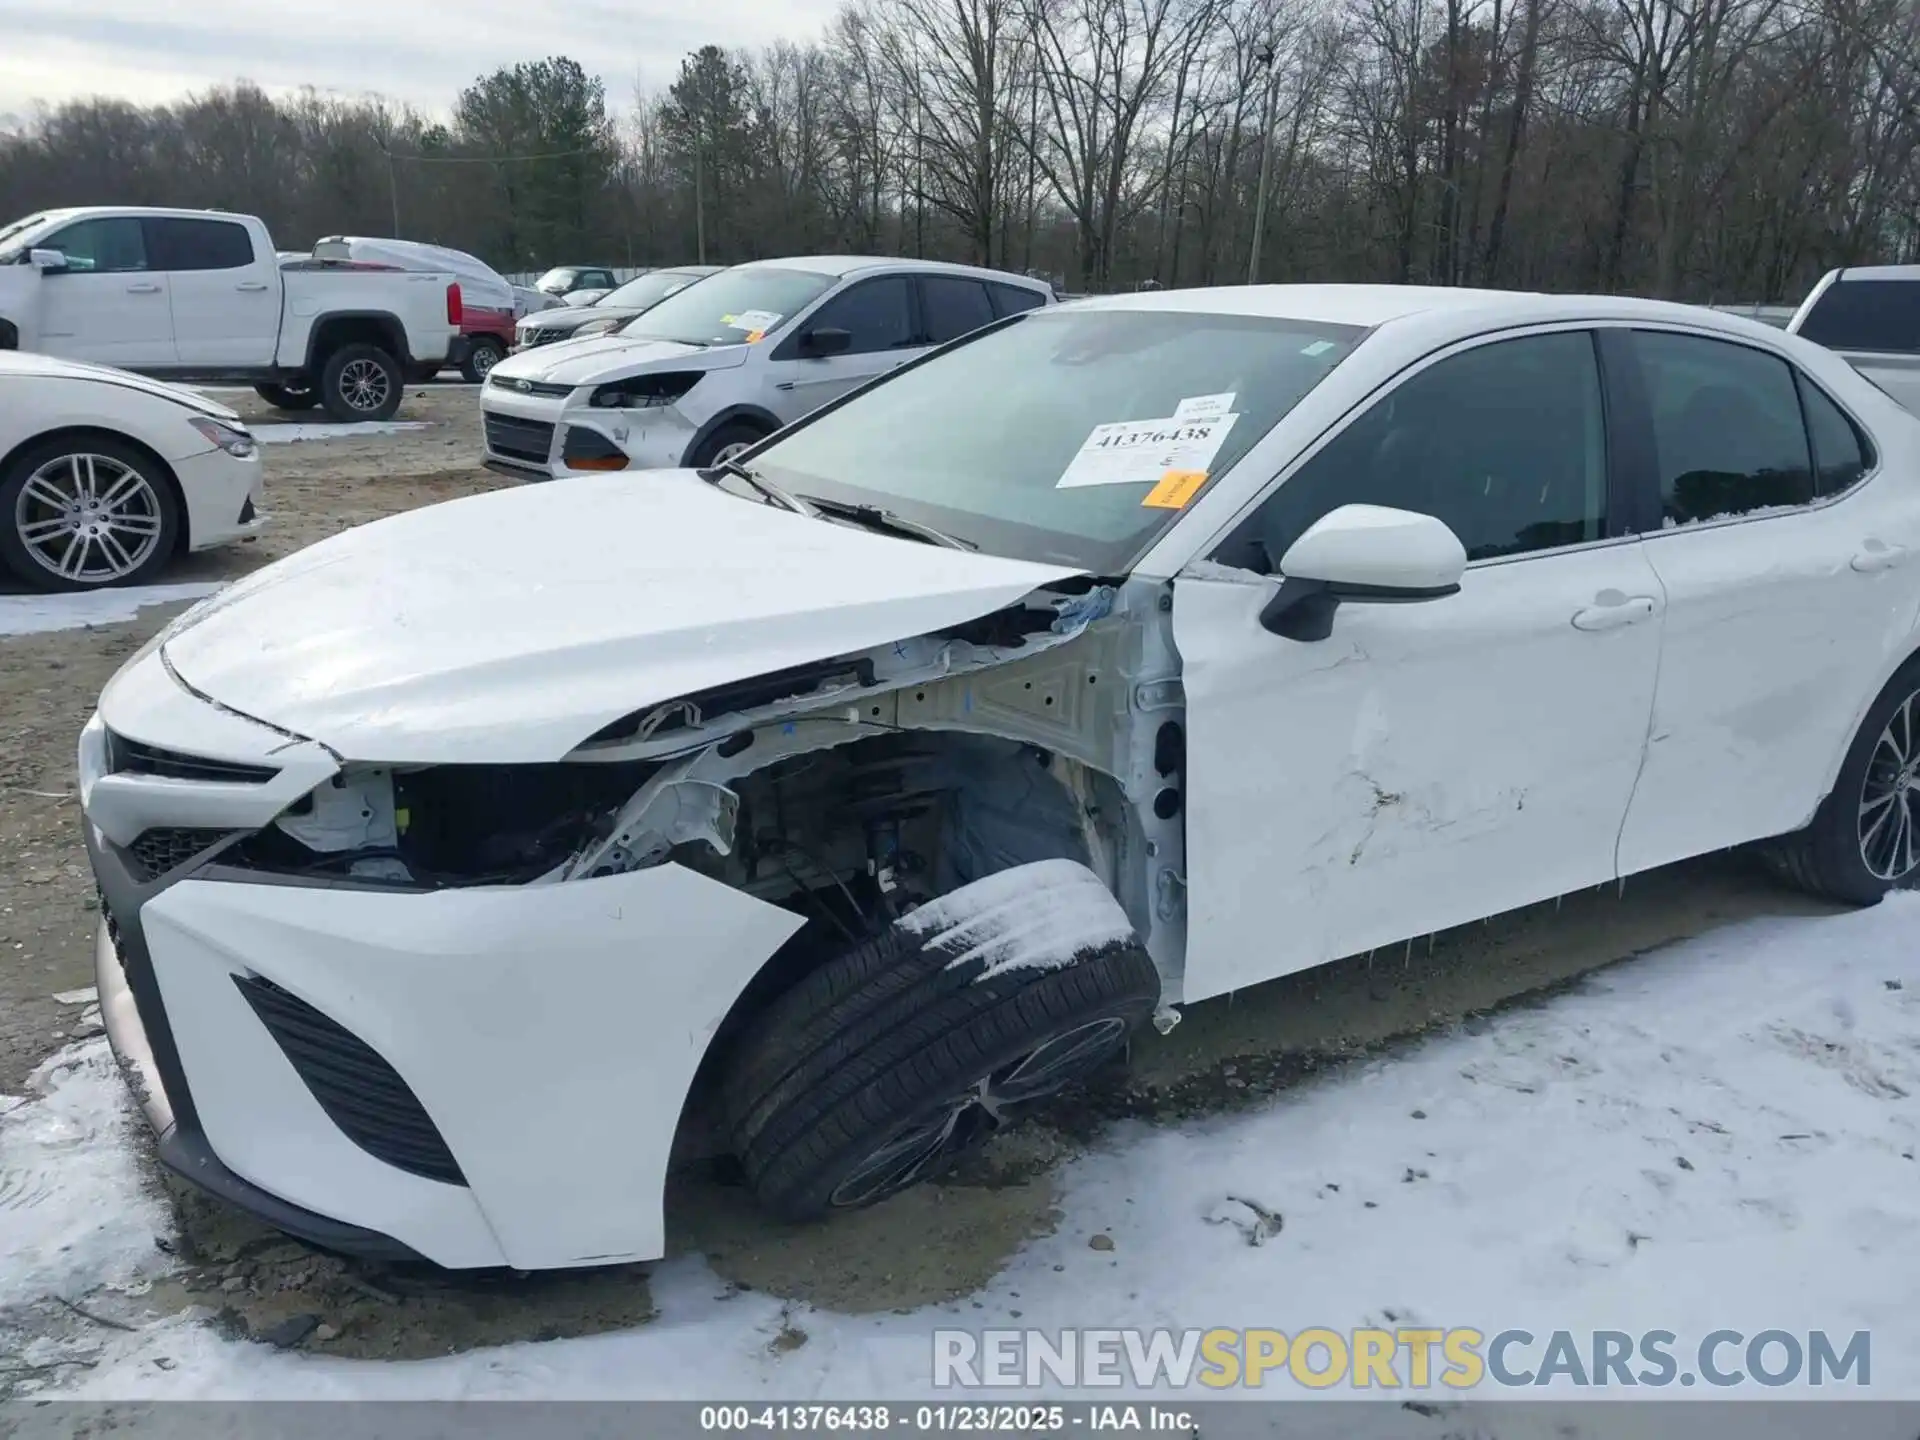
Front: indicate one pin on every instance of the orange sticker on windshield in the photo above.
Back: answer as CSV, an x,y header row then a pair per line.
x,y
754,335
1175,489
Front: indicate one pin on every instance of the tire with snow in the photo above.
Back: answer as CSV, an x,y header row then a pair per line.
x,y
884,1065
1864,840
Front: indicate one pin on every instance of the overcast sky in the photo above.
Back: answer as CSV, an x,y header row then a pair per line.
x,y
422,51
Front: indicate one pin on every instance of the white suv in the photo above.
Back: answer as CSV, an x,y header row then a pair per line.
x,y
729,360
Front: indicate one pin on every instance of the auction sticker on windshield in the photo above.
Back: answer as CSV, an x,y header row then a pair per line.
x,y
758,320
1140,452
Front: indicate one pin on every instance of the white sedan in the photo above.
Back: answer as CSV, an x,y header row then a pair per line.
x,y
106,476
863,790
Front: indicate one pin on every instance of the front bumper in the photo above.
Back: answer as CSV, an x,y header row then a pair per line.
x,y
223,495
526,435
545,1036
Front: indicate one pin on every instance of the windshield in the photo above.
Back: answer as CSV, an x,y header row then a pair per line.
x,y
1070,436
732,307
10,253
554,281
649,290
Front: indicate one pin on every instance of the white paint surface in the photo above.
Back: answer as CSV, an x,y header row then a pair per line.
x,y
35,614
512,625
1032,917
1720,1135
286,432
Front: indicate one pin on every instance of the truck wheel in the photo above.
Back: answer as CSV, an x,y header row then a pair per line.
x,y
485,353
882,1067
422,374
293,395
86,512
361,382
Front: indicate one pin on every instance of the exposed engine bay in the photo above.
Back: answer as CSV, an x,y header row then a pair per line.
x,y
850,791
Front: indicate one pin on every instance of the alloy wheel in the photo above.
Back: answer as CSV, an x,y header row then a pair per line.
x,y
364,385
87,518
1889,825
927,1143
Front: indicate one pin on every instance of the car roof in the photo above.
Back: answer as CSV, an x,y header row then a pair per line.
x,y
841,266
1877,272
1370,306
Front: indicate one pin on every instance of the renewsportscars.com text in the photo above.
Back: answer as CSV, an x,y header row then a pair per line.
x,y
1408,1357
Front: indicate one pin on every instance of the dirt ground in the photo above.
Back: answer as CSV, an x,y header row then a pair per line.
x,y
932,1245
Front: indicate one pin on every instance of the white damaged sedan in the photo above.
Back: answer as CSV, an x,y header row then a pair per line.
x,y
849,798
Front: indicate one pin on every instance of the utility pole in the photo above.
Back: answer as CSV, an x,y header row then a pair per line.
x,y
393,188
1264,59
699,198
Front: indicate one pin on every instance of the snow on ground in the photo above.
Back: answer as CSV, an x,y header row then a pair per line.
x,y
276,433
32,614
1719,1135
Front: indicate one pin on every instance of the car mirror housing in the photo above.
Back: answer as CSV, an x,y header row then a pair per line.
x,y
47,262
826,341
1362,553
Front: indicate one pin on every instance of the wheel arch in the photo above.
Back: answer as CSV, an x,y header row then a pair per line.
x,y
339,328
696,1135
1904,655
164,471
757,415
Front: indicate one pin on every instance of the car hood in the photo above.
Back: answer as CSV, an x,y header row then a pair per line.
x,y
574,317
25,363
512,626
600,358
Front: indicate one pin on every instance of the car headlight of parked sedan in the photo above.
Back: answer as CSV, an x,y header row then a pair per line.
x,y
645,392
234,439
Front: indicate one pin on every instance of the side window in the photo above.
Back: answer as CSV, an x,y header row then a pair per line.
x,y
1506,443
1726,428
1882,315
875,312
1012,299
1841,454
603,280
199,245
953,306
101,245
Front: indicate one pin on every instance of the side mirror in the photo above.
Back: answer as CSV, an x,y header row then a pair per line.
x,y
1362,553
47,261
827,341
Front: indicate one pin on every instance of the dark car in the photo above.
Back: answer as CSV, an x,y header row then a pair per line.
x,y
614,309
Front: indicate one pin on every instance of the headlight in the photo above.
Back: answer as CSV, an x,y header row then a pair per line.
x,y
645,392
233,439
596,327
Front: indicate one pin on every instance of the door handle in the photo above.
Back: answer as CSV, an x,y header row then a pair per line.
x,y
145,288
1878,555
252,286
1612,617
783,385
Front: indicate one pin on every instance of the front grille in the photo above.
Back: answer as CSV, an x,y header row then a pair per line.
x,y
154,852
530,440
545,337
130,756
530,387
359,1091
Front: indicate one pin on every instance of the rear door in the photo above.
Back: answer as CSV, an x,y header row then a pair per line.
x,y
1789,555
879,315
109,305
225,291
952,306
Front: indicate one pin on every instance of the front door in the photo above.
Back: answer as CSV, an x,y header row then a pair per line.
x,y
1430,762
877,313
109,305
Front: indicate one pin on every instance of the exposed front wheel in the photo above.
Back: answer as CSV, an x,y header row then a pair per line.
x,y
1865,838
725,443
481,358
361,382
884,1066
86,513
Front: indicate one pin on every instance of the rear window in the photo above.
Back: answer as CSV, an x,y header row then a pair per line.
x,y
1012,299
1882,315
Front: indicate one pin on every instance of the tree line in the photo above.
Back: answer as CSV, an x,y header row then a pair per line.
x,y
1696,149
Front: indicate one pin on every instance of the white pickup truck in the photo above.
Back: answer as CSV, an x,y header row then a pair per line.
x,y
202,295
1870,315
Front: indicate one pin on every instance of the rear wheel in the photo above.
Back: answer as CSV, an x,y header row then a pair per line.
x,y
85,513
1864,839
485,353
361,382
884,1066
291,395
